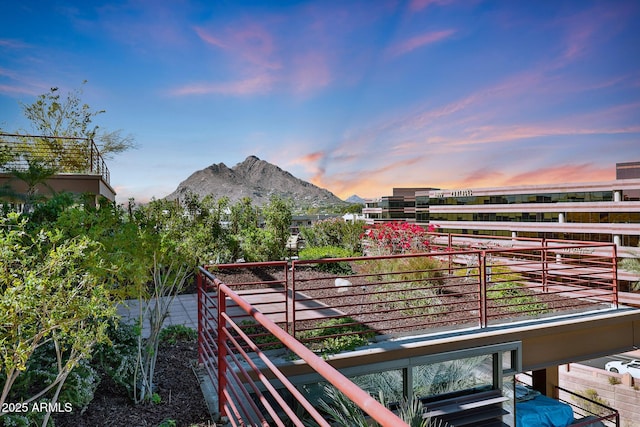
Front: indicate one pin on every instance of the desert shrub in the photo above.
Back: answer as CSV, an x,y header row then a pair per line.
x,y
259,335
514,299
336,335
406,272
323,252
174,333
592,402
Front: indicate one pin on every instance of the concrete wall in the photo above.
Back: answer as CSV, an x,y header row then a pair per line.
x,y
625,397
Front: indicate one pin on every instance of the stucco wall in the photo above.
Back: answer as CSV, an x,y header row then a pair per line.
x,y
625,397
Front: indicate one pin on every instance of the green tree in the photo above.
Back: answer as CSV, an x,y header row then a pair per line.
x,y
52,115
277,218
35,176
265,243
243,226
334,232
165,235
51,291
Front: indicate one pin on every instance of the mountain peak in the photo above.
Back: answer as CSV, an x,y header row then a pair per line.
x,y
256,179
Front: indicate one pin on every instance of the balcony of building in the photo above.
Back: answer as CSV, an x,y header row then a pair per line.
x,y
46,165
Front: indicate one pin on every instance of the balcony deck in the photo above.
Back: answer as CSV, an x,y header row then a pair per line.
x,y
74,164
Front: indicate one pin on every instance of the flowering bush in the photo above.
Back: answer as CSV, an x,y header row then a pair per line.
x,y
396,238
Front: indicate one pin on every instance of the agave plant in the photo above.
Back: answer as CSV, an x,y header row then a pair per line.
x,y
345,413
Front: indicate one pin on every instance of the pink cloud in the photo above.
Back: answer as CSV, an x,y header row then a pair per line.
x,y
416,42
208,38
310,72
252,85
250,44
13,44
17,90
590,28
417,5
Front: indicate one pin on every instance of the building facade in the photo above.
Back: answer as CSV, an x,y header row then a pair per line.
x,y
599,212
607,211
401,206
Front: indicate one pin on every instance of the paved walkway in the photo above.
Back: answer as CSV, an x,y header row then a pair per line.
x,y
183,310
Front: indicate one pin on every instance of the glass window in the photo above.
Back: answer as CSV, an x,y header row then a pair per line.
x,y
453,375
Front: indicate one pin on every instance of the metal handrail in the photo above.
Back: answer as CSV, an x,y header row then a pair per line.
x,y
612,416
59,153
562,273
233,404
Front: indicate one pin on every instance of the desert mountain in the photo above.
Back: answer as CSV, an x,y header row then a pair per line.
x,y
256,179
355,199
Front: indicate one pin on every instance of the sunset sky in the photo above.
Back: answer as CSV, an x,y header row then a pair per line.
x,y
354,96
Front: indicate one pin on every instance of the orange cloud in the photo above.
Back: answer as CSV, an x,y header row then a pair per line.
x,y
585,172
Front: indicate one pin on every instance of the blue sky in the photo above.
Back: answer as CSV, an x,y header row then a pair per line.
x,y
355,96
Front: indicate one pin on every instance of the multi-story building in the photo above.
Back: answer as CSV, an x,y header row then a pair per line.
x,y
627,170
606,211
401,206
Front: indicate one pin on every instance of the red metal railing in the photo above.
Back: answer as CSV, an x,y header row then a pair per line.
x,y
246,393
316,301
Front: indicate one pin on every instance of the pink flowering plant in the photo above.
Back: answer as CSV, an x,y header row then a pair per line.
x,y
396,238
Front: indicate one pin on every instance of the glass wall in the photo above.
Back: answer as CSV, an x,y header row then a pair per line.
x,y
593,196
433,378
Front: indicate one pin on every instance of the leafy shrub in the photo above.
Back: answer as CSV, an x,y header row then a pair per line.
x,y
323,252
78,389
514,299
259,335
174,333
334,232
118,358
396,238
337,335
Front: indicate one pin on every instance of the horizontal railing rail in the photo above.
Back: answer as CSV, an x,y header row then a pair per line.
x,y
56,153
586,411
590,410
339,304
246,393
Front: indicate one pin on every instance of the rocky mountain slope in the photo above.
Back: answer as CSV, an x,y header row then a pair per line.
x,y
256,179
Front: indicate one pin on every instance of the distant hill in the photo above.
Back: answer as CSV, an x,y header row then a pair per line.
x,y
355,199
256,179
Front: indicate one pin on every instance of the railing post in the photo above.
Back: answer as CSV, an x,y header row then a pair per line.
x,y
292,301
482,275
545,269
222,352
286,297
614,265
450,249
201,336
91,145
